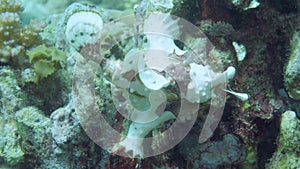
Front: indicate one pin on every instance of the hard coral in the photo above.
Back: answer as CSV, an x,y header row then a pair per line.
x,y
10,6
8,46
15,38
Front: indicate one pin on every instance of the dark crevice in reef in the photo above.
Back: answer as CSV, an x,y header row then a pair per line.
x,y
268,140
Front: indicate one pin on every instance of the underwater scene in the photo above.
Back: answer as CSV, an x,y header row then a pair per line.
x,y
149,84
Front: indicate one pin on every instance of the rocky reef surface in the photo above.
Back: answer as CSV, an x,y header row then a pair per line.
x,y
109,84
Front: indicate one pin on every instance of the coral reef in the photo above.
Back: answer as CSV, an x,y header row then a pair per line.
x,y
57,85
33,140
33,129
143,81
12,99
69,145
228,151
65,125
46,72
15,37
292,69
10,6
287,154
11,149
